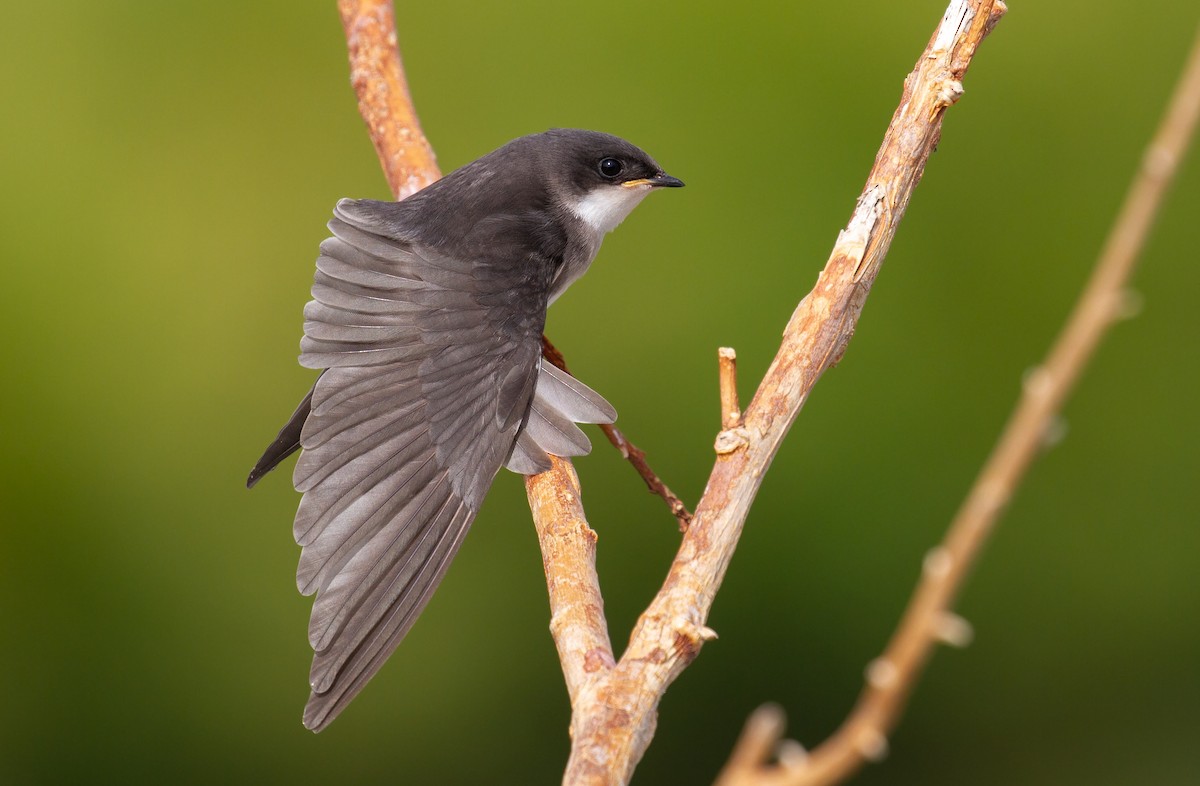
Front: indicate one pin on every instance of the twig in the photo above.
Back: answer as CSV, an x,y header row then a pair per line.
x,y
629,451
928,618
614,713
731,411
637,457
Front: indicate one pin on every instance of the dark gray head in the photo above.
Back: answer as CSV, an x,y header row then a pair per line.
x,y
598,177
585,160
594,177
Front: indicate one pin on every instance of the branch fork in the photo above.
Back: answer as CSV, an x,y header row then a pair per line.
x,y
614,701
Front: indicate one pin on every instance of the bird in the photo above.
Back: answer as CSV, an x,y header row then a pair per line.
x,y
426,324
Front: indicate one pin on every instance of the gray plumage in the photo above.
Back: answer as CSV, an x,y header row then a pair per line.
x,y
426,322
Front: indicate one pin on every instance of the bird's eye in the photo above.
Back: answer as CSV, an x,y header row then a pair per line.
x,y
610,167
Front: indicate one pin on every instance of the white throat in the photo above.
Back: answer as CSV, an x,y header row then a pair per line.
x,y
604,207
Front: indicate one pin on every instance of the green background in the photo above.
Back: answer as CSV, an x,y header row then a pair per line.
x,y
166,171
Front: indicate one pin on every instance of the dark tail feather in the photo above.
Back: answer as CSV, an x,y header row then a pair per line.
x,y
285,444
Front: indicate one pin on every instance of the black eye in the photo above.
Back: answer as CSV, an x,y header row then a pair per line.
x,y
610,167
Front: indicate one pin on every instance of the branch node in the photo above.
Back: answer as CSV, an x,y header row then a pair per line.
x,y
947,95
1128,305
730,440
1037,382
953,630
937,563
791,754
1055,432
1159,161
689,637
881,673
873,745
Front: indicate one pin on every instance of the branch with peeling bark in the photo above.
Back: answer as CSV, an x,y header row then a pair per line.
x,y
928,619
614,714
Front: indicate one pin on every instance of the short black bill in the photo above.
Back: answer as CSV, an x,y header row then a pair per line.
x,y
661,180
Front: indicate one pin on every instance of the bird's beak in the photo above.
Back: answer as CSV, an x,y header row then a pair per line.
x,y
661,180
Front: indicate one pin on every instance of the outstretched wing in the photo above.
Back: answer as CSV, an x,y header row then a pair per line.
x,y
431,367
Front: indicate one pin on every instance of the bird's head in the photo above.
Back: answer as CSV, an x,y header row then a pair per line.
x,y
599,178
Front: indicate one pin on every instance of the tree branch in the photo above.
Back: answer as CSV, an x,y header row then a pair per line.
x,y
569,558
614,713
928,618
383,98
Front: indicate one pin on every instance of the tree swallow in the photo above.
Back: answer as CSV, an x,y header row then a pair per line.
x,y
426,321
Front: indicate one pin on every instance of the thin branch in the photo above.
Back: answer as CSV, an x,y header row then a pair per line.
x,y
629,451
383,98
569,557
637,458
614,713
928,618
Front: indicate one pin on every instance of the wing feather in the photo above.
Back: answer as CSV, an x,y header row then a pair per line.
x,y
309,472
388,633
430,375
554,432
402,542
354,494
343,390
572,398
431,382
321,562
527,457
429,348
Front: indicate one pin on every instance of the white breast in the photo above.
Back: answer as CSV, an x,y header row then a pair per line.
x,y
604,207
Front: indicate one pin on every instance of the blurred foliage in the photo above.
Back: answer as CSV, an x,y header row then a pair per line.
x,y
167,172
